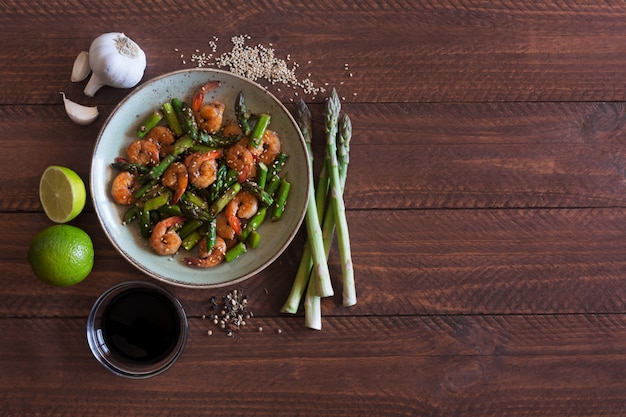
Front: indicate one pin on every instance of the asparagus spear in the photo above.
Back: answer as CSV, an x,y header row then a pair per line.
x,y
299,286
343,146
243,116
187,120
172,118
337,205
314,231
343,151
312,309
259,129
151,121
328,226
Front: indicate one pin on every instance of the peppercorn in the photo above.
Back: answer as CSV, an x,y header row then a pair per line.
x,y
233,311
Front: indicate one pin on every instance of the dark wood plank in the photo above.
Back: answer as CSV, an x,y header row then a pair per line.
x,y
406,261
434,156
397,51
471,366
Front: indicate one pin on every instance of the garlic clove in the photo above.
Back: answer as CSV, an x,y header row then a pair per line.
x,y
79,114
81,68
93,85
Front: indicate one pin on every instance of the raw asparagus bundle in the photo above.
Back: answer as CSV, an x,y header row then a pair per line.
x,y
325,204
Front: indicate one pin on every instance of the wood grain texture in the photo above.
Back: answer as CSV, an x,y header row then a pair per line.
x,y
439,262
447,366
485,201
416,51
435,156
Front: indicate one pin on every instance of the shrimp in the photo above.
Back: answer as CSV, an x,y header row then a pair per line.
x,y
270,147
176,178
209,258
143,152
198,96
210,116
123,187
243,206
202,168
223,228
163,137
164,240
232,129
239,158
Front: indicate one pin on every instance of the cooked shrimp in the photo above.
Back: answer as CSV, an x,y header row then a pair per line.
x,y
143,152
163,138
176,178
232,129
223,228
202,168
270,144
164,240
209,258
198,96
243,206
123,187
210,116
239,158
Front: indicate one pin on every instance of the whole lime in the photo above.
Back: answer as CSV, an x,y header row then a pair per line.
x,y
61,255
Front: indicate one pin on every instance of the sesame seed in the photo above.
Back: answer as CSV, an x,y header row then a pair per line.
x,y
256,63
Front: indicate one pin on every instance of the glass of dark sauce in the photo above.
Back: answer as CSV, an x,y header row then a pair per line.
x,y
137,329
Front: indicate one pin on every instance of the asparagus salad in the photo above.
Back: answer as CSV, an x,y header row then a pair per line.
x,y
195,180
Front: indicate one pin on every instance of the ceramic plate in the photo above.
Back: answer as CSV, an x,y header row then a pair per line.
x,y
120,130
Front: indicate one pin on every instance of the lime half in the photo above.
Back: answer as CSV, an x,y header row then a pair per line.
x,y
62,193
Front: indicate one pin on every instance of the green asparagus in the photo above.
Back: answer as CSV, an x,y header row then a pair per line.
x,y
243,116
313,257
330,186
259,129
337,205
172,118
152,120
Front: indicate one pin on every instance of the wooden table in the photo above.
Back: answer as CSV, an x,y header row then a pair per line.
x,y
485,200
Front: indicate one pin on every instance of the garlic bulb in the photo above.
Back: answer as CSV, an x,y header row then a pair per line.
x,y
82,115
116,61
81,68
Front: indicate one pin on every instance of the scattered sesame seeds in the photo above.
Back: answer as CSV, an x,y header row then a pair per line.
x,y
255,63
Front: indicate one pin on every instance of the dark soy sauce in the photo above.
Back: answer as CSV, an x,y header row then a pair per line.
x,y
140,325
